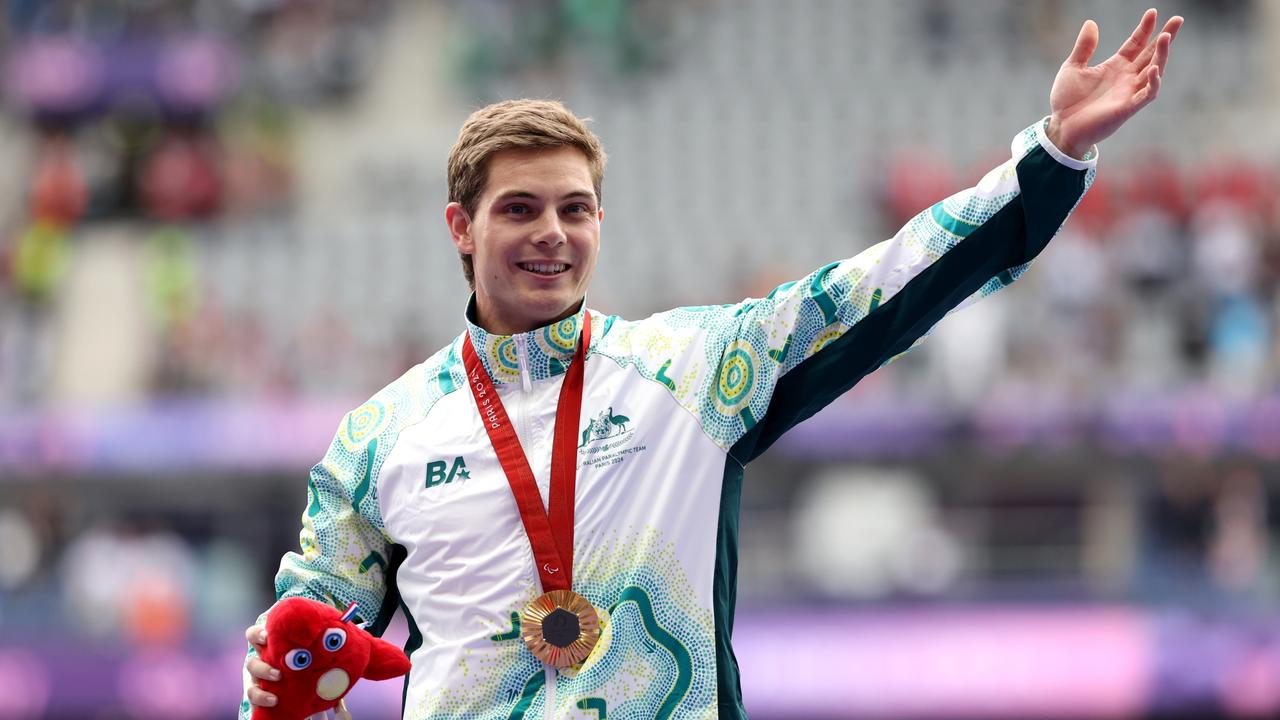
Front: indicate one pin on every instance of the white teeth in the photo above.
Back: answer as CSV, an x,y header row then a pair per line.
x,y
544,268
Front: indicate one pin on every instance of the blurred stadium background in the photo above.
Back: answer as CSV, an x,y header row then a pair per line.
x,y
221,228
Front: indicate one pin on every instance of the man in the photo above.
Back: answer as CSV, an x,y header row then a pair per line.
x,y
552,498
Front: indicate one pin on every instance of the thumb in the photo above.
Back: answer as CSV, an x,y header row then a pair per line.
x,y
1086,43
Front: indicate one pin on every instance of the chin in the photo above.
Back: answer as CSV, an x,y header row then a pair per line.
x,y
553,312
547,299
550,310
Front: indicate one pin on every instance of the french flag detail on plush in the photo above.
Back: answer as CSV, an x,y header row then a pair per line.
x,y
320,654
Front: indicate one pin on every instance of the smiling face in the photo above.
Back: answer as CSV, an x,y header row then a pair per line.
x,y
533,239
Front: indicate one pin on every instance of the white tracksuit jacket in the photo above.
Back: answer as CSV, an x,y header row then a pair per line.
x,y
410,507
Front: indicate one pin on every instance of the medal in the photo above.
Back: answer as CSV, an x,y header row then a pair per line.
x,y
560,627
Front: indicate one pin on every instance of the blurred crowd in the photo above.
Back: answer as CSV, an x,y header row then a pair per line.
x,y
162,117
174,120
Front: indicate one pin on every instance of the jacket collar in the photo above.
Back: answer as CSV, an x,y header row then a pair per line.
x,y
529,356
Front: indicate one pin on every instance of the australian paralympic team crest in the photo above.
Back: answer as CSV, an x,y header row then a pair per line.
x,y
607,440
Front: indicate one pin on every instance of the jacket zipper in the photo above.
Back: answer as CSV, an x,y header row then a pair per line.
x,y
526,382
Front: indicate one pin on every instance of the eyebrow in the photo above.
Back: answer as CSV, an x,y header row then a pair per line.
x,y
525,194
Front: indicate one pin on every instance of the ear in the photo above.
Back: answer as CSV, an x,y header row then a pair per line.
x,y
600,215
385,661
455,216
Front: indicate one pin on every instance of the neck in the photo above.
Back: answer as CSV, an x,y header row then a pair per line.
x,y
495,322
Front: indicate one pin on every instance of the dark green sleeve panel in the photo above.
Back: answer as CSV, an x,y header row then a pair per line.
x,y
382,618
725,593
1013,236
1050,191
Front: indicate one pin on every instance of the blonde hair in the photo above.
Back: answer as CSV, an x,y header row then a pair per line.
x,y
514,124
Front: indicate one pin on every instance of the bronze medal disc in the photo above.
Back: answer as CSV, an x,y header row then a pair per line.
x,y
561,628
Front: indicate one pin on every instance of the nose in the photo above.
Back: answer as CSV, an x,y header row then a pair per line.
x,y
549,231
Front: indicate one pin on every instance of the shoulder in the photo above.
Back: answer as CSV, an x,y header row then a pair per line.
x,y
683,350
678,348
664,330
404,401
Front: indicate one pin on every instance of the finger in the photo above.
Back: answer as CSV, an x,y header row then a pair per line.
x,y
261,670
1171,28
1162,51
1086,43
1138,40
1143,97
1156,56
258,696
256,636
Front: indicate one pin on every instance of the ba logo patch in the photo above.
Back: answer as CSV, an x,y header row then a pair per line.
x,y
440,472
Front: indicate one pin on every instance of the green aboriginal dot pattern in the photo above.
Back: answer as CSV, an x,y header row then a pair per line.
x,y
561,336
596,705
504,354
826,337
737,378
343,554
364,422
502,680
548,350
1026,141
646,665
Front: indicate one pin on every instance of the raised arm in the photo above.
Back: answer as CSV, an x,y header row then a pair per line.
x,y
753,370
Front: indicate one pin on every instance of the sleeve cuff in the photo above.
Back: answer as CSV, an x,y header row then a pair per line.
x,y
1089,162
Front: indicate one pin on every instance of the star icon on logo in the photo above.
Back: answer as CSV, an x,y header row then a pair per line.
x,y
464,474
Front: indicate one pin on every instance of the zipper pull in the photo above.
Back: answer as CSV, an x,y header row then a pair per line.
x,y
522,358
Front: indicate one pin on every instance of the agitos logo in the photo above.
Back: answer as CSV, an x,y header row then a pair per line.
x,y
437,475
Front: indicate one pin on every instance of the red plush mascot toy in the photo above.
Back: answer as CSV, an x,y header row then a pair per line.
x,y
320,654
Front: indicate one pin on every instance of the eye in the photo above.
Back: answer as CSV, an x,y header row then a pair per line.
x,y
298,659
518,209
577,208
334,639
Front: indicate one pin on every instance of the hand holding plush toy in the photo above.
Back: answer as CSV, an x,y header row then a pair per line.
x,y
320,654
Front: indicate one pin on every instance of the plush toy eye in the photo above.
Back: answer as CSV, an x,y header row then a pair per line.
x,y
298,659
334,639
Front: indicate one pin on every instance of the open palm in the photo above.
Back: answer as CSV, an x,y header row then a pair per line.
x,y
1091,103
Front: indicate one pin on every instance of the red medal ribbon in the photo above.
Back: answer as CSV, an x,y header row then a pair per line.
x,y
550,534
